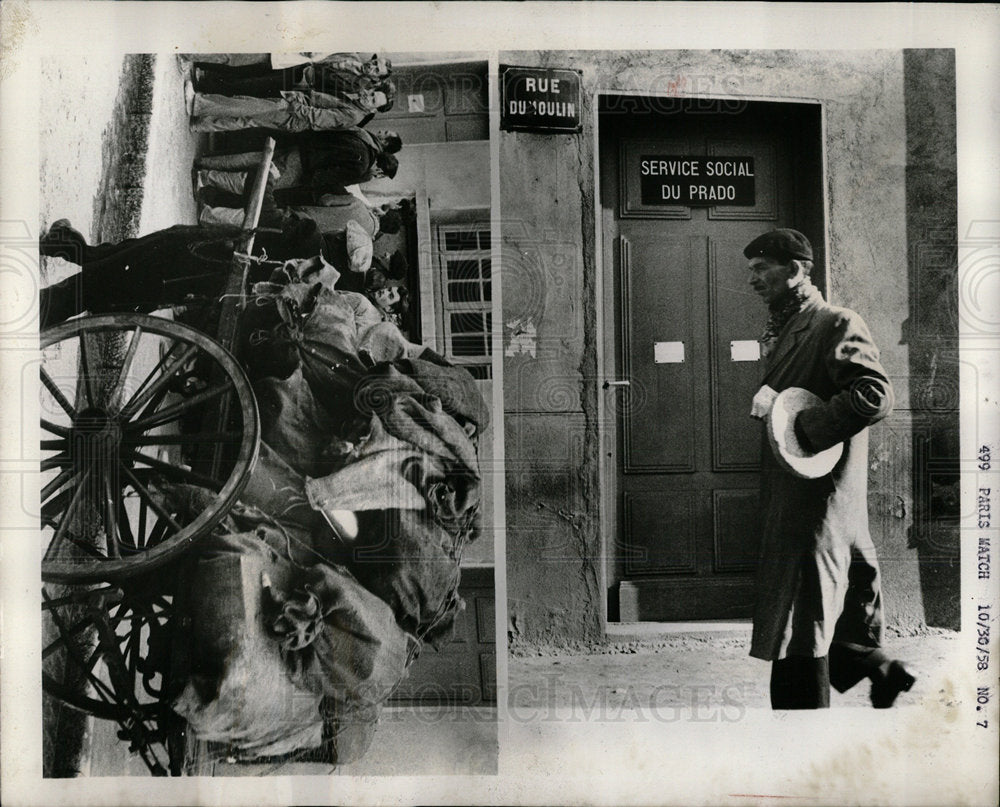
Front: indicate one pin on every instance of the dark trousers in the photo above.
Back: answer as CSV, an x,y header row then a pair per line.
x,y
803,682
296,195
250,80
258,81
178,265
137,274
261,68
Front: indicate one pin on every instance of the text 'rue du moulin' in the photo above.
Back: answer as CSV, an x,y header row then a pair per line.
x,y
546,87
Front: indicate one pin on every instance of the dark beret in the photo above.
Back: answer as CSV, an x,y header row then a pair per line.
x,y
390,222
782,245
397,265
388,163
302,238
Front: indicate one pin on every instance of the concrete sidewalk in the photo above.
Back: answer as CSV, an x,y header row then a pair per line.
x,y
692,672
441,740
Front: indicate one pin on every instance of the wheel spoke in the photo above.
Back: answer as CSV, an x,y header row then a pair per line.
x,y
130,618
111,517
148,497
58,444
65,634
88,549
117,608
173,470
143,512
126,367
56,393
161,383
158,533
161,600
153,403
132,651
56,505
124,525
52,507
53,646
164,359
104,690
179,409
111,642
56,483
100,687
86,370
70,511
92,661
120,694
58,461
55,428
183,439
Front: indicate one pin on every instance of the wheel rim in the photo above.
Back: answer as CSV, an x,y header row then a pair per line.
x,y
103,515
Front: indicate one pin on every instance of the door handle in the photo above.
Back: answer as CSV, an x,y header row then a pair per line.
x,y
609,384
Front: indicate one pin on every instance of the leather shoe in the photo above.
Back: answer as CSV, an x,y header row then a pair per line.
x,y
61,229
886,688
62,240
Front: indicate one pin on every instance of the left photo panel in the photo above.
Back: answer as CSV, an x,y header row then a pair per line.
x,y
266,415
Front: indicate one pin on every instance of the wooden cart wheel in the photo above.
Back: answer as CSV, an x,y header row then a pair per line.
x,y
107,651
102,637
173,407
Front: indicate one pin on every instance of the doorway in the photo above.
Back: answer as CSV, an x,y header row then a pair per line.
x,y
685,185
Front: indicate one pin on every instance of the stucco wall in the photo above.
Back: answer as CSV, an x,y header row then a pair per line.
x,y
932,328
450,175
554,546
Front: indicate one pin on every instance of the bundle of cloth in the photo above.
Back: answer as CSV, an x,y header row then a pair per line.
x,y
346,546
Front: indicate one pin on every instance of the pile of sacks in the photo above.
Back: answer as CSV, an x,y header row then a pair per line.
x,y
315,594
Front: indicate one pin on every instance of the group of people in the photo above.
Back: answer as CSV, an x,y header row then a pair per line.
x,y
316,168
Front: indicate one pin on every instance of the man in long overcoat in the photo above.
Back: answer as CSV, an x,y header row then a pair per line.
x,y
818,616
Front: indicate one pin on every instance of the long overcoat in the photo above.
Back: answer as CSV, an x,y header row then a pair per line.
x,y
818,577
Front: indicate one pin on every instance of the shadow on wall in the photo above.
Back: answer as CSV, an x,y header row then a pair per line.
x,y
932,330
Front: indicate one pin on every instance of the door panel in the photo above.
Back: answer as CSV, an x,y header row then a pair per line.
x,y
463,670
630,204
647,516
687,453
655,293
733,511
766,178
735,315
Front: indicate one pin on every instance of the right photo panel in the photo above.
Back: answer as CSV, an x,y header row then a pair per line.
x,y
730,361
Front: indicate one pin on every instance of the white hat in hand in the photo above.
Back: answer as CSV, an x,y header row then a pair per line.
x,y
781,434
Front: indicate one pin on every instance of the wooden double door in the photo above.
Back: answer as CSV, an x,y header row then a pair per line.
x,y
685,324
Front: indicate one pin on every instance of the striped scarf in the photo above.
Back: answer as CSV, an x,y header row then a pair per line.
x,y
784,309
